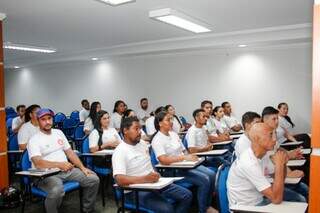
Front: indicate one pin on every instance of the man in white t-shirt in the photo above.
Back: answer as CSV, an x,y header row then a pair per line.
x,y
132,164
230,120
143,113
50,149
84,113
30,127
19,120
247,184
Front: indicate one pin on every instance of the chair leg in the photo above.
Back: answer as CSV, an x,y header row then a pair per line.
x,y
80,197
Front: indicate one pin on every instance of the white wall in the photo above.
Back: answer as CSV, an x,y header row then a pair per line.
x,y
249,79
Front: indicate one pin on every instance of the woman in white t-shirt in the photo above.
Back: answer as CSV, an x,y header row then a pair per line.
x,y
89,122
131,113
177,124
286,123
220,124
168,149
116,117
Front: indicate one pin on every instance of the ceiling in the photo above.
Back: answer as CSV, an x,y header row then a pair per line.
x,y
81,27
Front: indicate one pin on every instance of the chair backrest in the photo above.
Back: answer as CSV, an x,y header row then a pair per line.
x,y
79,133
9,122
154,160
85,149
221,188
9,110
234,156
183,120
25,165
13,142
59,117
75,115
185,142
69,123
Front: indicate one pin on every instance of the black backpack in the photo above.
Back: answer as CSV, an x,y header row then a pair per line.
x,y
10,197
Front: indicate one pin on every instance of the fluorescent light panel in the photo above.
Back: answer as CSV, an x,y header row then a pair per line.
x,y
94,59
116,2
28,48
242,45
179,19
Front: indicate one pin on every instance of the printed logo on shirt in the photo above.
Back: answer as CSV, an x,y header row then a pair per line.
x,y
60,142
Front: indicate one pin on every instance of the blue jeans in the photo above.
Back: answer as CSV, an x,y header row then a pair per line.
x,y
157,201
300,188
203,178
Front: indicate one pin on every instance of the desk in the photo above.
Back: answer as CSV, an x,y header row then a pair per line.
x,y
287,180
306,151
296,162
284,207
39,173
237,133
222,143
15,152
212,152
181,165
292,143
101,153
235,136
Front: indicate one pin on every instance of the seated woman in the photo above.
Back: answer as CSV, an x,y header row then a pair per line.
x,y
221,126
118,110
88,123
177,124
103,137
131,113
286,123
169,149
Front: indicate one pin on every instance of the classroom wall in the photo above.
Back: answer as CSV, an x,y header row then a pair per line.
x,y
249,78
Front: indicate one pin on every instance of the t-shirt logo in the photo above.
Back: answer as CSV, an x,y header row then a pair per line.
x,y
60,142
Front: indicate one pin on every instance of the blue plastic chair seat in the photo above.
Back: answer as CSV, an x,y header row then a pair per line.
x,y
67,187
102,171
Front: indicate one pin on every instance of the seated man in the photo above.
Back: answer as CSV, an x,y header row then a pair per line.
x,y
18,121
131,164
85,111
50,149
230,120
213,136
247,184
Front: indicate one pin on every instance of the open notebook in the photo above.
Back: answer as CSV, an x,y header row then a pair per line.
x,y
163,182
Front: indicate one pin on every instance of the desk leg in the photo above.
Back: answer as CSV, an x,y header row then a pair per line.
x,y
137,200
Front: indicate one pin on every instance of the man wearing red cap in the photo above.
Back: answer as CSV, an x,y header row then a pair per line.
x,y
50,149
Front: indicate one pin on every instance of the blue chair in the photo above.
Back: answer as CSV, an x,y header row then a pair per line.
x,y
9,126
68,127
78,137
75,115
13,158
103,173
221,188
58,120
68,186
183,120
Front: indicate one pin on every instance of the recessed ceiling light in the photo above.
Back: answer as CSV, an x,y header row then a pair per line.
x,y
116,2
16,67
179,19
242,45
94,59
28,48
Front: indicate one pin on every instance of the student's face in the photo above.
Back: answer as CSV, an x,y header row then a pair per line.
x,y
284,110
171,110
249,125
133,134
268,139
227,109
45,123
144,104
121,108
21,111
105,120
33,114
219,113
98,109
167,123
132,114
201,118
208,109
271,120
86,105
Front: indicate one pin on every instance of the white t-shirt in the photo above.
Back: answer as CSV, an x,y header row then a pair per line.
x,y
17,121
197,137
176,127
107,135
230,121
167,145
88,125
246,180
26,131
285,124
49,147
131,160
116,120
221,126
83,115
211,126
280,131
150,126
141,113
